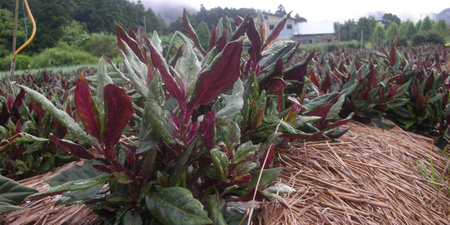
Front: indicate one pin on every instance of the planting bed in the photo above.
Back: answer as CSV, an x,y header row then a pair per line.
x,y
369,176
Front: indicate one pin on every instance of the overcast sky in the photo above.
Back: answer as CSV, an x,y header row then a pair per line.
x,y
323,10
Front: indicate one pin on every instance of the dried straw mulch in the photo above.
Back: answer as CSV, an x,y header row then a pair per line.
x,y
372,176
44,211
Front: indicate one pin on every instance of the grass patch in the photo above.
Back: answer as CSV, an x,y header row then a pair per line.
x,y
63,69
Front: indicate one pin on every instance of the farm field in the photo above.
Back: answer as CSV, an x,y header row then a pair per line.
x,y
60,69
201,132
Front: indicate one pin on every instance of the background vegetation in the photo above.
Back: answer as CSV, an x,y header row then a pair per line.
x,y
86,29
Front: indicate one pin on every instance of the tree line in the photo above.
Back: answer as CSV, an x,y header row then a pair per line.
x,y
60,19
384,31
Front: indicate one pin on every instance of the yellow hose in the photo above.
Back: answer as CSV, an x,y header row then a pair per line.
x,y
447,45
32,34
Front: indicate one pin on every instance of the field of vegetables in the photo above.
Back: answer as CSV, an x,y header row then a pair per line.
x,y
187,134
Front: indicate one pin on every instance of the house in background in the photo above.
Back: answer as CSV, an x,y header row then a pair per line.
x,y
304,32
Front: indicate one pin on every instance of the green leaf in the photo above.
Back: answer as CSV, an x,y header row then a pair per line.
x,y
267,177
19,138
235,211
334,111
227,132
136,70
176,205
131,218
154,110
280,188
220,162
233,102
215,210
319,101
65,119
122,178
378,121
74,186
178,170
302,120
402,89
12,193
398,102
188,66
156,41
274,195
121,212
244,151
5,207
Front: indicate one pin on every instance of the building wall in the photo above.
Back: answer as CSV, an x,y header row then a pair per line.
x,y
288,30
316,39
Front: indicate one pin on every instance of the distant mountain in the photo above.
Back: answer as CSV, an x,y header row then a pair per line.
x,y
444,15
169,12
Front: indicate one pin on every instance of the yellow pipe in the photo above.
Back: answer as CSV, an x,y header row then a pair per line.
x,y
32,34
447,45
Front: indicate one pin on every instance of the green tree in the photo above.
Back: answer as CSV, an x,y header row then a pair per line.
x,y
281,10
427,25
6,32
379,32
411,30
365,26
50,17
392,32
72,32
419,24
442,27
388,18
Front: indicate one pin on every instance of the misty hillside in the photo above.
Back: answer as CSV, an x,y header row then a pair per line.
x,y
444,15
169,12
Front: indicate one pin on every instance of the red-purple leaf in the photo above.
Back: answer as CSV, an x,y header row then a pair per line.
x,y
364,95
168,79
392,92
275,32
9,102
326,83
255,39
393,55
429,83
238,21
191,33
60,129
242,27
177,56
119,111
219,76
4,115
123,36
313,77
72,148
212,39
86,108
269,154
298,72
222,41
104,169
267,83
420,102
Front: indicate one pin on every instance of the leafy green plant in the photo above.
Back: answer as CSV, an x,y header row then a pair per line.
x,y
204,125
12,194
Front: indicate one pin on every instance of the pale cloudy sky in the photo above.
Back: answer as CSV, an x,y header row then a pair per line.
x,y
322,10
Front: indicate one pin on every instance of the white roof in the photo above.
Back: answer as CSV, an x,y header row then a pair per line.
x,y
314,28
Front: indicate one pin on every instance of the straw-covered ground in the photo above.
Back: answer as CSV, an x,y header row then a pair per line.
x,y
371,176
